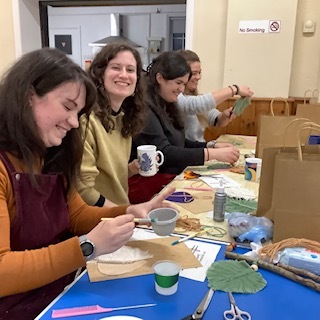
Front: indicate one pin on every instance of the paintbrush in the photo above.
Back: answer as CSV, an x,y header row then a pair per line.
x,y
188,237
136,220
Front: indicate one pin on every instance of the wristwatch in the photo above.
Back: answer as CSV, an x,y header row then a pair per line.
x,y
87,247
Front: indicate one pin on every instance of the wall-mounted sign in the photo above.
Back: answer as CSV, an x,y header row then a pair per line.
x,y
259,26
63,42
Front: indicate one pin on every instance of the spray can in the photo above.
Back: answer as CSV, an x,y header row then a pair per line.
x,y
219,204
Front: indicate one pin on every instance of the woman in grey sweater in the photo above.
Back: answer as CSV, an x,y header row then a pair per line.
x,y
200,110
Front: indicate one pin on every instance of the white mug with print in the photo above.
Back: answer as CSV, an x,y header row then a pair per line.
x,y
149,159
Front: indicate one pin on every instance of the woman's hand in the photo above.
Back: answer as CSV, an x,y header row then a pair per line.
x,y
223,145
133,168
244,91
228,154
225,117
109,236
141,210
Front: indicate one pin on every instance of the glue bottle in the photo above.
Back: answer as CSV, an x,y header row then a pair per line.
x,y
219,204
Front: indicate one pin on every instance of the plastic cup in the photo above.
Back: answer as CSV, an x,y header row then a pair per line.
x,y
165,220
253,169
166,274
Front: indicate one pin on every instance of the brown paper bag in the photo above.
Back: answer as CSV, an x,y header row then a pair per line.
x,y
310,110
271,129
295,205
267,180
288,192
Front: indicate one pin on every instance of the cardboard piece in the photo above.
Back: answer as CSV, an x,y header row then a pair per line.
x,y
160,248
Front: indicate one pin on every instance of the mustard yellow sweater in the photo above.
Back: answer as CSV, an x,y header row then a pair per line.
x,y
21,271
104,167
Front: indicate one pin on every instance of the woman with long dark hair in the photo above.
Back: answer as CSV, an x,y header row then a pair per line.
x,y
167,77
47,231
118,115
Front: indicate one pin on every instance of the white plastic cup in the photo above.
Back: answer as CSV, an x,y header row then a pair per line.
x,y
166,275
149,159
253,169
166,219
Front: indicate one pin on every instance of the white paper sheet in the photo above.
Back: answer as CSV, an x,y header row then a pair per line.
x,y
214,181
206,253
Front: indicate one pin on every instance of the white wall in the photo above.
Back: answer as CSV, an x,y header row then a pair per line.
x,y
305,72
89,24
256,57
212,20
26,26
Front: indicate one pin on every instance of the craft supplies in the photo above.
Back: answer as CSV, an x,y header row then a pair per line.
x,y
220,232
240,105
190,175
219,204
198,189
234,276
235,312
188,237
241,205
272,250
188,224
201,308
180,197
79,311
241,193
136,220
246,227
301,258
298,275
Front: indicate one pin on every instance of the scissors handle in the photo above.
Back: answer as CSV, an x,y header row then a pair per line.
x,y
236,314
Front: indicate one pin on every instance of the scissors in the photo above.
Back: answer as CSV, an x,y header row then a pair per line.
x,y
202,307
235,313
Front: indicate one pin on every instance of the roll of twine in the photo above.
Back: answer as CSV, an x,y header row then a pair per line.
x,y
188,224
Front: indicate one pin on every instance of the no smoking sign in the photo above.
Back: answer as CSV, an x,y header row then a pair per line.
x,y
274,26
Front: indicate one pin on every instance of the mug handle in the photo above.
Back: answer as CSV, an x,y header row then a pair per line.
x,y
160,156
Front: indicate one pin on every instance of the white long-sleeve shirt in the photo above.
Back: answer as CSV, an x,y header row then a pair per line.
x,y
192,106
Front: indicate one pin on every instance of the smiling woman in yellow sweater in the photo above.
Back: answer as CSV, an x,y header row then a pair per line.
x,y
47,231
118,115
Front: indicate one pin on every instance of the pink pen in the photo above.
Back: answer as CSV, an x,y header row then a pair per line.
x,y
79,311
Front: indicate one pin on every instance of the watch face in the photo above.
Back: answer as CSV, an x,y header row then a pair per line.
x,y
87,249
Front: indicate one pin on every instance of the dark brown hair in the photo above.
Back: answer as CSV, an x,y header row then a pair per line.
x,y
41,71
191,57
170,65
133,106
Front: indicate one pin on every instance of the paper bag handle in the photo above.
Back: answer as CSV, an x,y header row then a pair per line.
x,y
286,107
294,121
306,126
305,95
313,95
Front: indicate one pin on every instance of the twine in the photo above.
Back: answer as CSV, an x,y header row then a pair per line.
x,y
272,249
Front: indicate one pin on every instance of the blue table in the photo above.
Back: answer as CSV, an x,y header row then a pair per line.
x,y
280,299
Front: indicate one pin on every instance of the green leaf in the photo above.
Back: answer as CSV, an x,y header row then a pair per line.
x,y
240,105
219,165
241,205
234,276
